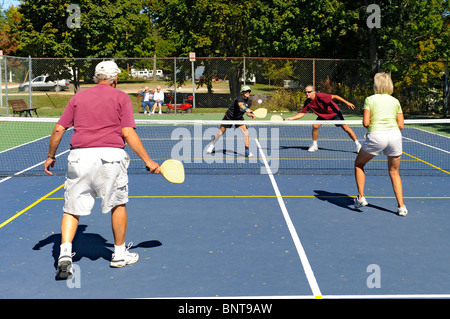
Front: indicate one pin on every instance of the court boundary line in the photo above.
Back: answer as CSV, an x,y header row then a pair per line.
x,y
300,250
430,132
425,144
265,196
23,144
33,166
30,206
29,142
425,162
274,196
30,167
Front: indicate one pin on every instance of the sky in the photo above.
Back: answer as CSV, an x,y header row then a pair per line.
x,y
7,3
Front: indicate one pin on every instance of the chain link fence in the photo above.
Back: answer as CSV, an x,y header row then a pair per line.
x,y
422,89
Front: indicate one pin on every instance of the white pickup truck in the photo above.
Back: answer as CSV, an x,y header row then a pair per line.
x,y
146,74
45,83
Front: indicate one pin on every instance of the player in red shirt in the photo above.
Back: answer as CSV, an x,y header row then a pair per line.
x,y
322,104
102,118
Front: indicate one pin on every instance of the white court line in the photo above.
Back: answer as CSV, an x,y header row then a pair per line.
x,y
27,169
14,147
301,252
427,145
31,167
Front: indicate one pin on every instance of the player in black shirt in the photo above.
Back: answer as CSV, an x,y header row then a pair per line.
x,y
241,105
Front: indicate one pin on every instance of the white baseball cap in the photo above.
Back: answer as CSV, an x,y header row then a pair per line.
x,y
107,68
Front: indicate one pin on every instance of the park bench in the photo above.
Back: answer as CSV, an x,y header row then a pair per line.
x,y
20,107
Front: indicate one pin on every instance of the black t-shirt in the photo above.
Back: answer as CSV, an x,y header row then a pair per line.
x,y
234,112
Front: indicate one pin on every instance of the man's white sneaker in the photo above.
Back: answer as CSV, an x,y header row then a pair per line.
x,y
210,149
402,211
248,153
313,148
124,259
65,269
360,202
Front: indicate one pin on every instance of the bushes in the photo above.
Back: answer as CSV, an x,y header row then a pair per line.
x,y
281,100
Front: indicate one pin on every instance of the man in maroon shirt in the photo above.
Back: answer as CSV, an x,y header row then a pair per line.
x,y
323,106
103,121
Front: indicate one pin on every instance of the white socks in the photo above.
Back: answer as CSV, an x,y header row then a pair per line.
x,y
356,142
119,250
65,249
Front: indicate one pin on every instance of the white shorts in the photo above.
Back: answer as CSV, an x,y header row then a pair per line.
x,y
92,172
388,142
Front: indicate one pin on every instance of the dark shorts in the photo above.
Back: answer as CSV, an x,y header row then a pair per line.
x,y
338,117
226,118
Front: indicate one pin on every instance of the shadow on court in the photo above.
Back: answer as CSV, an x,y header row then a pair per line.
x,y
305,148
87,245
345,201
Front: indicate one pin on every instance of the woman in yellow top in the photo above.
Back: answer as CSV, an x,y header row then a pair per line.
x,y
383,118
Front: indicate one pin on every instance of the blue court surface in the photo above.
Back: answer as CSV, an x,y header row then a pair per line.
x,y
268,236
227,236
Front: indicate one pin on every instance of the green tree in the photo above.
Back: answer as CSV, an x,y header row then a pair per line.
x,y
217,28
298,28
107,29
413,42
111,28
8,30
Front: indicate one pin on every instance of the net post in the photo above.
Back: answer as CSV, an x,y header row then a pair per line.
x,y
446,92
30,75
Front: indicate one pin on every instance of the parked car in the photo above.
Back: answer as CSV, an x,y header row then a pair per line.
x,y
45,83
159,74
143,74
146,74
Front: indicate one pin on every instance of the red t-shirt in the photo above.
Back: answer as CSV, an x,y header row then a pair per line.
x,y
98,115
322,105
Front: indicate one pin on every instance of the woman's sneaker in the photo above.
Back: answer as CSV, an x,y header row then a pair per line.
x,y
124,259
210,149
313,148
360,202
402,211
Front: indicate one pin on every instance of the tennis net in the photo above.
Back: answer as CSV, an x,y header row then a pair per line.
x,y
283,145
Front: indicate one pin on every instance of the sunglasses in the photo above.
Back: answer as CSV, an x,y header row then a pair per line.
x,y
308,92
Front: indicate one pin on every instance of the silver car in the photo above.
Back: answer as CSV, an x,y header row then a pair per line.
x,y
45,83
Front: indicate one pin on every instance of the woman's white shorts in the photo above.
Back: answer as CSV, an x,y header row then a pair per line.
x,y
92,172
387,142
